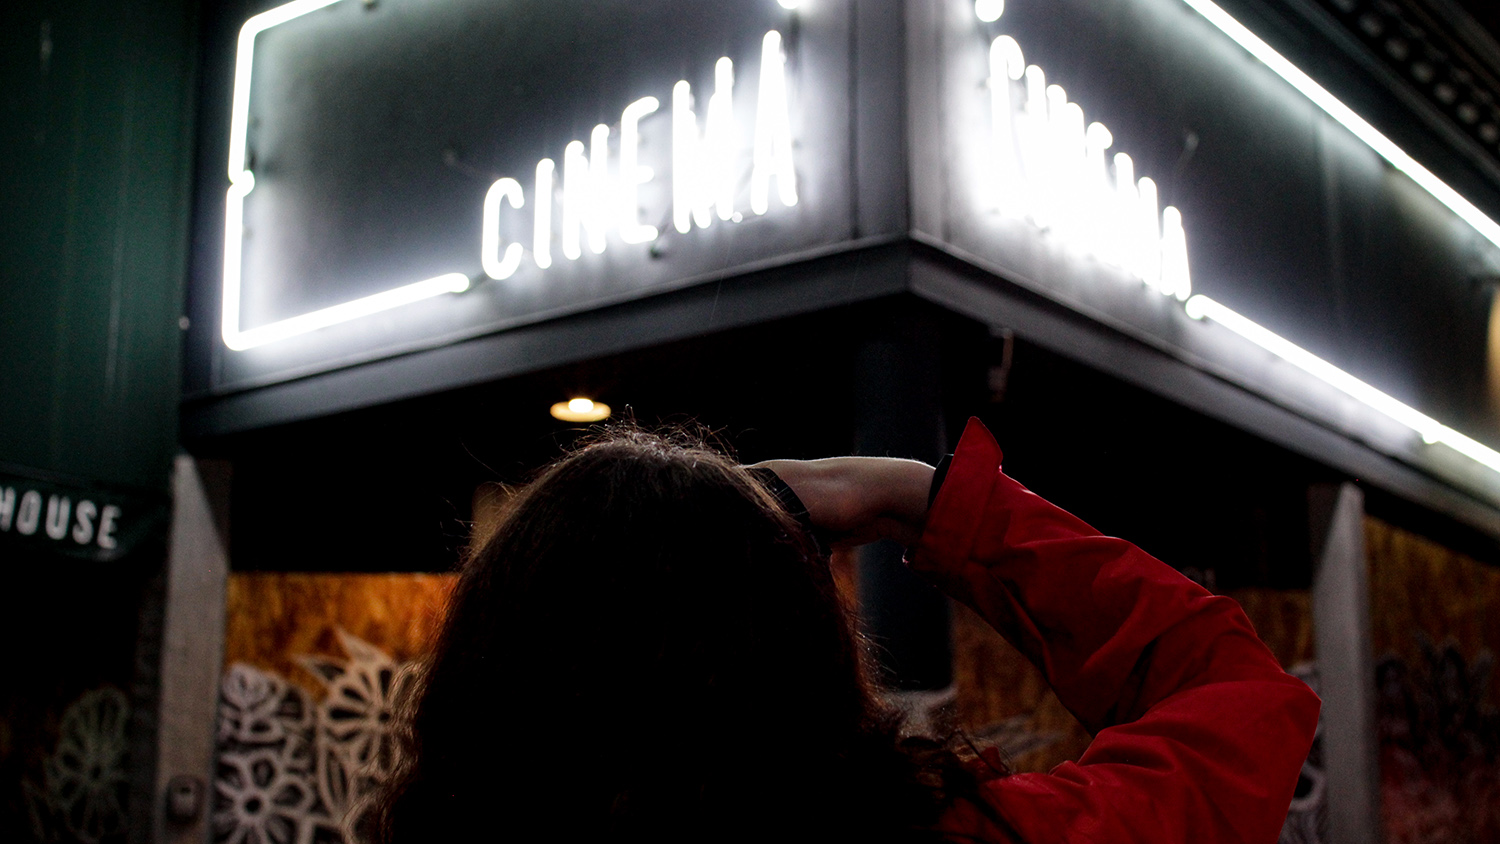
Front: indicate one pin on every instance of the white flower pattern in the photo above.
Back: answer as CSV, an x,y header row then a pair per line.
x,y
260,799
84,781
259,708
293,773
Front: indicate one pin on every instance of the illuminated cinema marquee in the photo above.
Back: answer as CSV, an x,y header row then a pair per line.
x,y
1054,169
599,195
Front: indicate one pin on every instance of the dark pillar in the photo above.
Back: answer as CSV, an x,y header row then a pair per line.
x,y
899,413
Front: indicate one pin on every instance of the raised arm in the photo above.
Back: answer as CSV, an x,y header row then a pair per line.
x,y
1199,734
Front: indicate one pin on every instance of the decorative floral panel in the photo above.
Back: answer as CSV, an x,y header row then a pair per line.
x,y
316,666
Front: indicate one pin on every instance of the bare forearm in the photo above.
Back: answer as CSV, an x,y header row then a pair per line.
x,y
860,499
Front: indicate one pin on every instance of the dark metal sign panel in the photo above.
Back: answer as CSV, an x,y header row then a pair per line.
x,y
405,175
408,173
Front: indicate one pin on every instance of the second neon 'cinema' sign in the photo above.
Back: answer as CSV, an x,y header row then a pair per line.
x,y
596,199
1053,168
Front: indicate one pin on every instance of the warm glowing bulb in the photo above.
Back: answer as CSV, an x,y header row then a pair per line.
x,y
580,410
989,11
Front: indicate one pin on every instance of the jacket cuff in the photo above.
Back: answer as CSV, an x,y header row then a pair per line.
x,y
957,510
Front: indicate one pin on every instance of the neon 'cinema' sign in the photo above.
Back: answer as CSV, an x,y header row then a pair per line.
x,y
1053,168
600,194
705,173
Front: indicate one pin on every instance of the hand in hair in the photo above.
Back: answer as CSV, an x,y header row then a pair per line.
x,y
854,500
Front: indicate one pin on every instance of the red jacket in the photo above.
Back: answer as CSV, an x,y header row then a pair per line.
x,y
1198,734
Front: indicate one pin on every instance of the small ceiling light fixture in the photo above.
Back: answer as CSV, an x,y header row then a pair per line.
x,y
580,410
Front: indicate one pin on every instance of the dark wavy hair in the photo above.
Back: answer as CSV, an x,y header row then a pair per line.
x,y
650,648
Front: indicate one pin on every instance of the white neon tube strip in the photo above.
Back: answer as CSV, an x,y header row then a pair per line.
x,y
383,301
1432,431
1330,104
234,227
242,181
239,119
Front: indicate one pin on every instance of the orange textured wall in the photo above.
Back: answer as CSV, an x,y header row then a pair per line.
x,y
275,617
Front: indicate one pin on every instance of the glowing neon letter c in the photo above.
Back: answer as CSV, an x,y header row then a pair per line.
x,y
489,241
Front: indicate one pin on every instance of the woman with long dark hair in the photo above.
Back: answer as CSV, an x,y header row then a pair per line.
x,y
650,647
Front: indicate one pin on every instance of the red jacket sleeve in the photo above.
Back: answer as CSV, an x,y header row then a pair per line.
x,y
1199,734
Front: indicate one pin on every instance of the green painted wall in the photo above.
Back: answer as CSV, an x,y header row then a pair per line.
x,y
95,154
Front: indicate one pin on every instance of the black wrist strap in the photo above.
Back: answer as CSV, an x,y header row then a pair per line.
x,y
794,506
789,500
937,479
